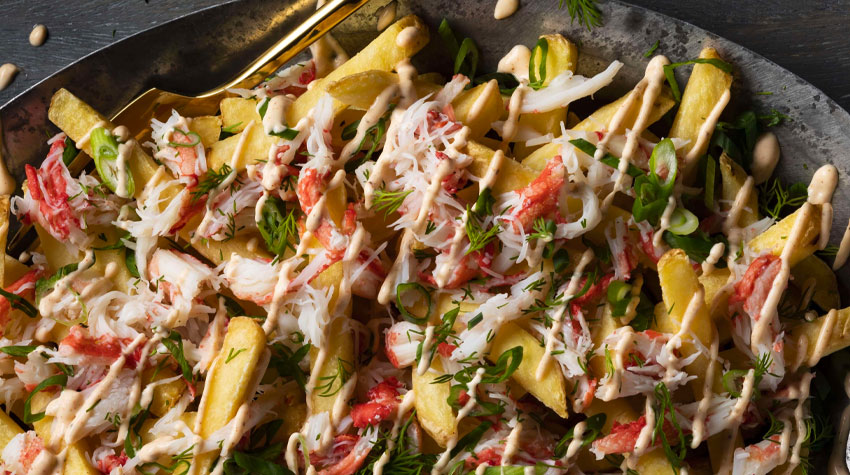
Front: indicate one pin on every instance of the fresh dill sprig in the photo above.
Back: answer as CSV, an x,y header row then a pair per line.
x,y
212,180
587,12
478,236
344,370
389,201
775,198
675,450
774,118
543,229
776,428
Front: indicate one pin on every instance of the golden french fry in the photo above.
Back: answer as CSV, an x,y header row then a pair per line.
x,y
254,149
432,407
804,338
538,158
229,381
76,460
237,113
383,53
339,362
814,271
550,390
600,119
774,238
13,270
208,127
8,429
76,118
679,283
512,175
166,395
705,91
479,107
360,90
733,177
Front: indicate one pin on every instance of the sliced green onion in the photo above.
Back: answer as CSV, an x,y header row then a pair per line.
x,y
683,222
537,75
187,134
55,380
618,291
19,303
104,149
730,383
664,157
401,289
21,350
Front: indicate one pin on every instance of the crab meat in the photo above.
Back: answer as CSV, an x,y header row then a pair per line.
x,y
20,452
757,459
181,278
23,287
347,455
542,196
401,340
383,402
751,291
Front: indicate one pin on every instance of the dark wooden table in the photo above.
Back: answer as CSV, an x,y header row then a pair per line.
x,y
810,38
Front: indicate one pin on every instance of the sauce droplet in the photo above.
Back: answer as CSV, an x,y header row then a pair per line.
x,y
823,185
386,15
765,157
505,8
38,35
7,73
407,37
516,62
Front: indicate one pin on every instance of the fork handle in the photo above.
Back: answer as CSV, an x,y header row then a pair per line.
x,y
328,16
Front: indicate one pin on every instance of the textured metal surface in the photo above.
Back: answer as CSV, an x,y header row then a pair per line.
x,y
197,52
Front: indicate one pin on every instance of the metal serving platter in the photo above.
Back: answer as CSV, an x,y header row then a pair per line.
x,y
196,52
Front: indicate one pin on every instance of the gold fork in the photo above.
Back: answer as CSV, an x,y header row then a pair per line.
x,y
139,111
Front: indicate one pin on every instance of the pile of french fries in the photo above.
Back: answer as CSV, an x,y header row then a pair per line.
x,y
545,404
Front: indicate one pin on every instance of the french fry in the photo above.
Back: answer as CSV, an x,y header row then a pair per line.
x,y
537,159
733,177
562,56
600,119
76,460
208,127
360,90
238,112
774,238
13,270
255,149
431,403
383,53
229,381
479,107
340,360
704,91
76,118
679,283
512,175
8,429
814,271
166,395
550,390
837,337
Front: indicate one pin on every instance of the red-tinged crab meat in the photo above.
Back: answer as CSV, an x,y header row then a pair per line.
x,y
21,451
401,342
492,456
347,456
188,209
310,189
383,402
756,283
465,270
649,248
105,348
446,349
623,437
48,187
541,196
595,290
758,459
188,157
110,462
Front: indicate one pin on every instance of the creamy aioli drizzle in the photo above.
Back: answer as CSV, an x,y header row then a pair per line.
x,y
765,157
386,15
7,73
444,458
705,131
843,250
714,256
505,8
516,62
648,89
664,223
558,322
403,408
38,35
